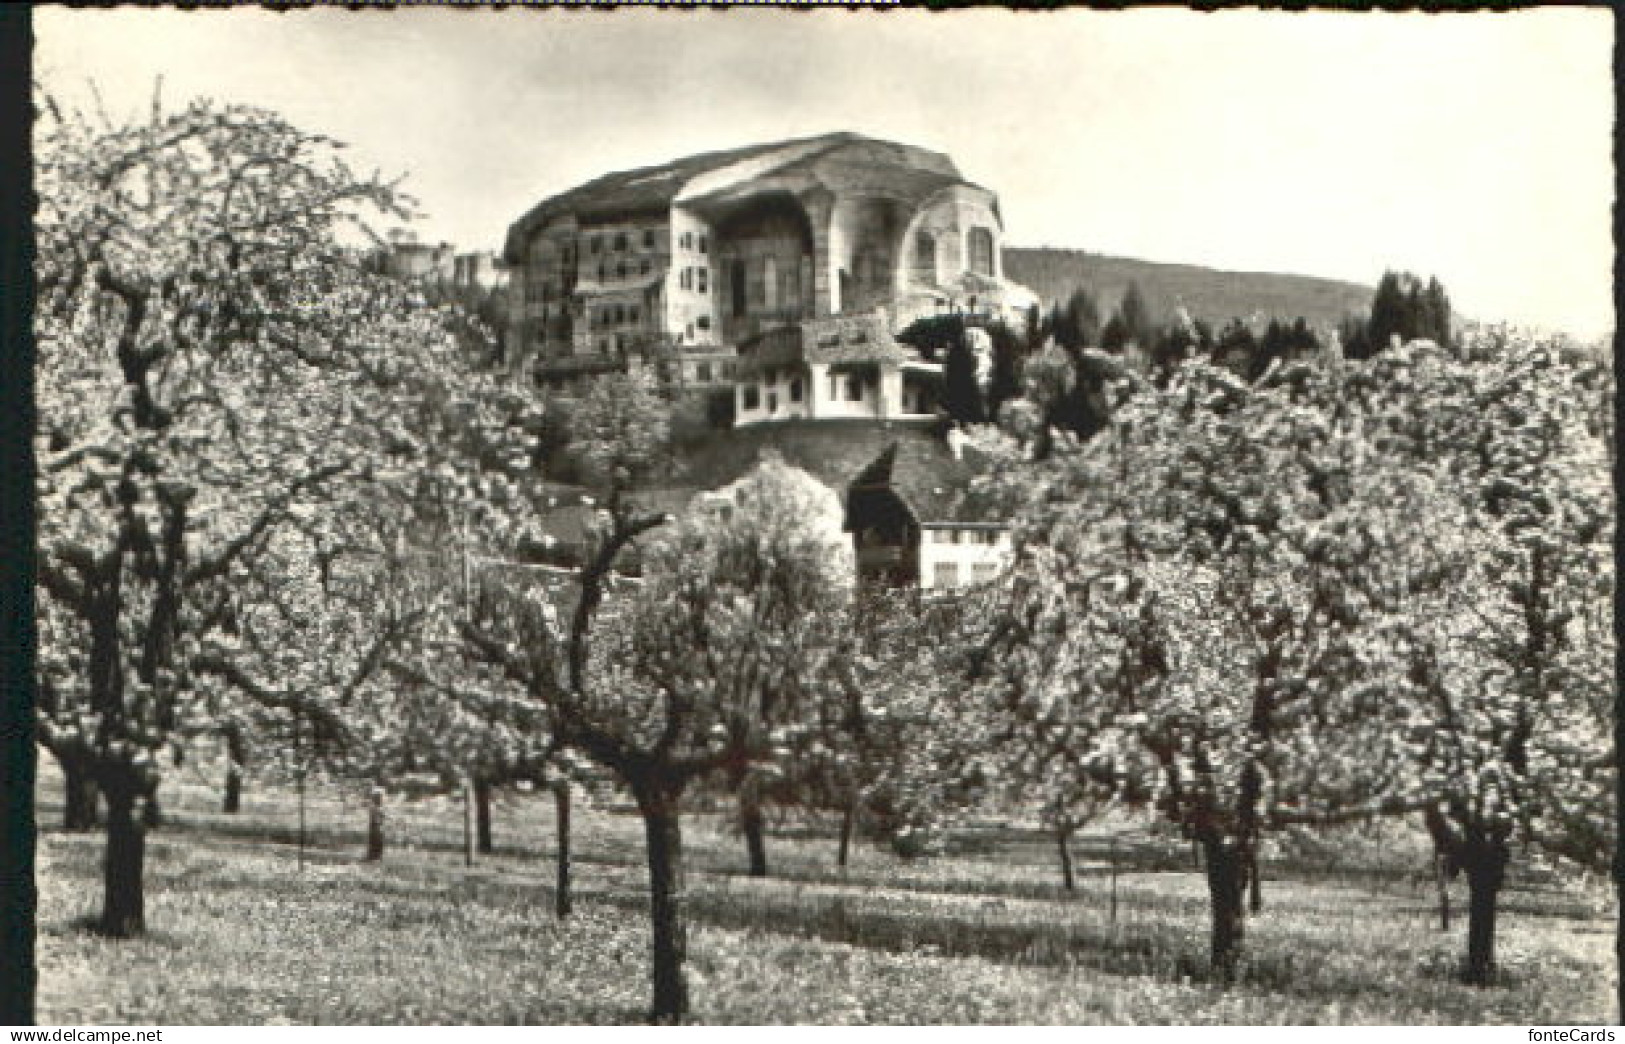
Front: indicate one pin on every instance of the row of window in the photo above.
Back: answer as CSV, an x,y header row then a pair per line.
x,y
753,396
850,387
946,574
688,241
703,372
615,315
595,244
622,270
980,247
990,537
696,279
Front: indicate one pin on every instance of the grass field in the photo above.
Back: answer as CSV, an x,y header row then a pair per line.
x,y
239,934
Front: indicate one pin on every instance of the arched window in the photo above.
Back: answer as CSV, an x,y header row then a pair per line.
x,y
925,254
981,251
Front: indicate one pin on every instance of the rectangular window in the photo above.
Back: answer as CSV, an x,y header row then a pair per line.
x,y
795,390
983,572
702,244
835,387
854,387
703,322
702,280
702,372
643,268
688,240
736,286
631,313
752,397
683,279
945,574
648,238
620,241
772,402
595,244
981,251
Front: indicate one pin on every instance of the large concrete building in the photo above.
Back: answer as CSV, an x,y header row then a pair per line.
x,y
782,270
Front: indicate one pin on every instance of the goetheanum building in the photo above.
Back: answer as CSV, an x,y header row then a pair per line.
x,y
783,269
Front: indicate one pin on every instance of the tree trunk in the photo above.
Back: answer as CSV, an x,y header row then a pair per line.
x,y
561,808
667,904
1063,837
849,817
375,824
79,797
1225,863
750,821
1486,870
1441,874
482,816
123,902
1113,855
152,815
233,802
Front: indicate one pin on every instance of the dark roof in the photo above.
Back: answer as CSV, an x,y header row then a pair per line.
x,y
836,341
900,170
831,450
855,339
937,488
645,189
777,347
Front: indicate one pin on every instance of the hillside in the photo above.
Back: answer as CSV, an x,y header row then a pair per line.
x,y
1209,293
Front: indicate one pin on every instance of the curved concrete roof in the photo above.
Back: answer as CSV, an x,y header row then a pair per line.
x,y
843,162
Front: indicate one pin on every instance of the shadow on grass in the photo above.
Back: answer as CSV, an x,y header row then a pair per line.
x,y
91,925
1074,935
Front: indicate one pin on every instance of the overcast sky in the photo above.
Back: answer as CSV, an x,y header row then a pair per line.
x,y
1475,147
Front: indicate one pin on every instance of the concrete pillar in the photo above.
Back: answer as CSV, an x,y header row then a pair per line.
x,y
891,391
819,207
817,388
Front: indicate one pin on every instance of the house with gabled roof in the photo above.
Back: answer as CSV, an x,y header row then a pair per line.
x,y
917,520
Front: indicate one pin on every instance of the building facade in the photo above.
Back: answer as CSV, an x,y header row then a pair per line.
x,y
752,266
403,257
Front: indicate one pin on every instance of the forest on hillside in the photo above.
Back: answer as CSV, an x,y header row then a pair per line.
x,y
1209,294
